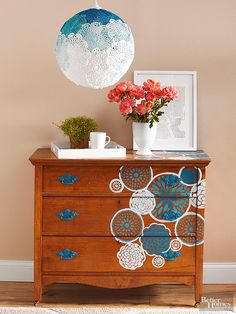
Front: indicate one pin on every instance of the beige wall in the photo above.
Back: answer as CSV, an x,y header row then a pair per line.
x,y
170,35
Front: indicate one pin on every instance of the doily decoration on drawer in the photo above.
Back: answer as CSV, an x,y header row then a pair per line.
x,y
190,176
158,261
142,202
95,48
131,256
126,225
198,195
135,178
165,197
155,239
175,245
188,227
168,184
116,186
170,209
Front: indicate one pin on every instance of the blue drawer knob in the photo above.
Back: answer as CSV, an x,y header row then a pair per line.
x,y
67,215
67,254
68,179
171,255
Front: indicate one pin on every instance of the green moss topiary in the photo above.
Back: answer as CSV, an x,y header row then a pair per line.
x,y
78,130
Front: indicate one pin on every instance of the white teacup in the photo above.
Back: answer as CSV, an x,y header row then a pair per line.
x,y
98,140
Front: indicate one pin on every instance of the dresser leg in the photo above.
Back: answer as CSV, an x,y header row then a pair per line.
x,y
198,288
198,293
37,293
199,273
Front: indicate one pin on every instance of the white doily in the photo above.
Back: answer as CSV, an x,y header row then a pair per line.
x,y
198,195
142,202
116,186
175,245
131,256
158,261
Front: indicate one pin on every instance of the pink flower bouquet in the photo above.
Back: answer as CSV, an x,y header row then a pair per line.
x,y
142,103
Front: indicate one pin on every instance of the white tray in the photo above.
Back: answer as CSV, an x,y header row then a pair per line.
x,y
63,151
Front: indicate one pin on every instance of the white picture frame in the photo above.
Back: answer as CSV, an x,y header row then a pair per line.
x,y
175,133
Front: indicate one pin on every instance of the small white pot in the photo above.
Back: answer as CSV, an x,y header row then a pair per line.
x,y
144,137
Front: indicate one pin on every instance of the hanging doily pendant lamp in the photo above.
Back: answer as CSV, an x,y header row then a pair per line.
x,y
95,48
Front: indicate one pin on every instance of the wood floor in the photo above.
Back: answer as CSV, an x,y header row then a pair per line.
x,y
21,294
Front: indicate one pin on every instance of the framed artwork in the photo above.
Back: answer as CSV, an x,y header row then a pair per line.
x,y
177,128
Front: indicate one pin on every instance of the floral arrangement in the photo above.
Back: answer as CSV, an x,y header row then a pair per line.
x,y
142,103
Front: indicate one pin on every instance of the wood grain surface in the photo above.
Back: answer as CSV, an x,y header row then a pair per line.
x,y
99,254
94,216
44,156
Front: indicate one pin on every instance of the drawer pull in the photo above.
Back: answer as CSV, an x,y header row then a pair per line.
x,y
171,255
67,254
68,179
67,215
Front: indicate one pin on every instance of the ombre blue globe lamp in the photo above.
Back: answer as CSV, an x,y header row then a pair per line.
x,y
95,48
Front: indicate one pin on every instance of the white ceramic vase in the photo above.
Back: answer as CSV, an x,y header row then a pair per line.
x,y
144,137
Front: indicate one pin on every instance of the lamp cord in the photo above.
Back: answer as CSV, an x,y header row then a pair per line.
x,y
97,5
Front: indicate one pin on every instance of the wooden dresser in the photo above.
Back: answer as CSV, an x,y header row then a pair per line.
x,y
119,223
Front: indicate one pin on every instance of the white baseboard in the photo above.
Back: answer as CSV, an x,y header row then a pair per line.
x,y
15,270
214,273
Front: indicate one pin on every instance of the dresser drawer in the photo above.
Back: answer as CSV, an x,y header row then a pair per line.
x,y
96,179
84,180
119,217
176,182
104,254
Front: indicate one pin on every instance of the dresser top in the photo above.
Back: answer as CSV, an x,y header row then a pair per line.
x,y
44,156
